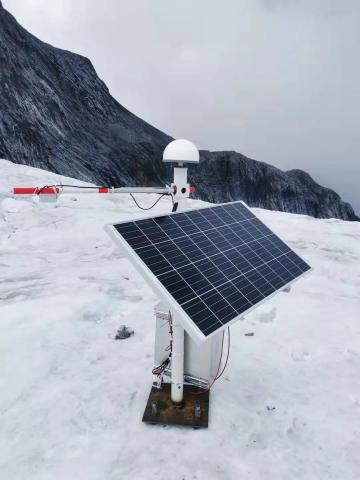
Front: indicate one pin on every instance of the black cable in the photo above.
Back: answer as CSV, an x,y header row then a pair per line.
x,y
97,188
43,188
227,356
62,185
148,208
162,367
79,186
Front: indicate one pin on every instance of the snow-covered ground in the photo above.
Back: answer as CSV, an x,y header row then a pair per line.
x,y
72,398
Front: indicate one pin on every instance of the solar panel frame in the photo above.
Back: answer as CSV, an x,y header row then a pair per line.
x,y
192,329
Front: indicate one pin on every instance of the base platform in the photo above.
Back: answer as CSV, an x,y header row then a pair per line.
x,y
194,412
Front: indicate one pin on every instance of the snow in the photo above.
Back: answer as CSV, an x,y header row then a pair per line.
x,y
72,397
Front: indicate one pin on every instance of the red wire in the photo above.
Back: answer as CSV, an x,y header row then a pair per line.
x,y
163,366
169,347
218,370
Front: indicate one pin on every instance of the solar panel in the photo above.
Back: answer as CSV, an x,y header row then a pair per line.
x,y
213,265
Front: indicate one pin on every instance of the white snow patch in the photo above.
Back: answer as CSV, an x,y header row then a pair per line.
x,y
72,398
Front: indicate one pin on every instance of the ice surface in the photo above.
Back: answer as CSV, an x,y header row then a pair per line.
x,y
72,398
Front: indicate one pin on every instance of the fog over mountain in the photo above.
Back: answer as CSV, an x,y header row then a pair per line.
x,y
277,80
57,114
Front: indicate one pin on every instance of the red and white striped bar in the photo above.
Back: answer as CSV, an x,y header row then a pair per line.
x,y
102,190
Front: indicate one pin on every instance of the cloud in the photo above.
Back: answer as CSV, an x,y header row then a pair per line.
x,y
324,8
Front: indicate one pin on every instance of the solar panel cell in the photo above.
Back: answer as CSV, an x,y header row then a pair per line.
x,y
234,297
226,266
154,260
133,235
215,276
194,248
195,278
168,225
173,254
248,289
214,219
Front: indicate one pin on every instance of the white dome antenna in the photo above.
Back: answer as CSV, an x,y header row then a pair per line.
x,y
181,151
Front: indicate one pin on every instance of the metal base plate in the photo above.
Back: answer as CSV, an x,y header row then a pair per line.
x,y
194,412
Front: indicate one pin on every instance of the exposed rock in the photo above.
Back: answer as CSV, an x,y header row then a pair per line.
x,y
224,176
58,115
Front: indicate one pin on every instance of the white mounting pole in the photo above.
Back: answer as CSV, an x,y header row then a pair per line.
x,y
180,188
182,191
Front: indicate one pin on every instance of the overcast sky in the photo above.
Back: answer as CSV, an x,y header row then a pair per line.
x,y
277,80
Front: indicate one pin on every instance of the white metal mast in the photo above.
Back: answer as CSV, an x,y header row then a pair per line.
x,y
180,152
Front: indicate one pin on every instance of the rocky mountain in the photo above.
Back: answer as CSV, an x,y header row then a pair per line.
x,y
232,176
57,114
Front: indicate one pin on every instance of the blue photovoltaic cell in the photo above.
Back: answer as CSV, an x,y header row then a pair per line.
x,y
216,262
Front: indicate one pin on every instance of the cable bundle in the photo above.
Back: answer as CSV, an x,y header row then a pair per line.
x,y
160,369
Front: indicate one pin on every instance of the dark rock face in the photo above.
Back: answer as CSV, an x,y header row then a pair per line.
x,y
57,114
232,176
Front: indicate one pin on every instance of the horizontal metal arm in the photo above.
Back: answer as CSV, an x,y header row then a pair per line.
x,y
164,190
58,189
